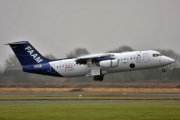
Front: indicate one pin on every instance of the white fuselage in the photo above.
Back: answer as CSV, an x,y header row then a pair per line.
x,y
140,60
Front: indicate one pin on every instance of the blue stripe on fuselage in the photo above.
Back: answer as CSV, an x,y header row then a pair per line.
x,y
43,69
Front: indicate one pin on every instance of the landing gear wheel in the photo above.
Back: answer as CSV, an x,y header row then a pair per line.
x,y
96,78
99,78
163,70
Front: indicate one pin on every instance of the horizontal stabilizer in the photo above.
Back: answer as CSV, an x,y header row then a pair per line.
x,y
18,43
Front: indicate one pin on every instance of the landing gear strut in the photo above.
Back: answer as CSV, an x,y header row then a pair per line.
x,y
99,77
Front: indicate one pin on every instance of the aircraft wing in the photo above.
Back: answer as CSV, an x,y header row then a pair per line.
x,y
83,59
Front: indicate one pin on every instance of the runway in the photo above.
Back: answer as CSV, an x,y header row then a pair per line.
x,y
90,101
94,95
88,98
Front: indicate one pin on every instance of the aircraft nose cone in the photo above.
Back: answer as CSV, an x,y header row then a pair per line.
x,y
167,60
171,60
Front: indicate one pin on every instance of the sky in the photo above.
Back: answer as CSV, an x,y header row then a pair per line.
x,y
59,26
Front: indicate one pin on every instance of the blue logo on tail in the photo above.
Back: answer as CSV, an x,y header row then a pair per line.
x,y
34,55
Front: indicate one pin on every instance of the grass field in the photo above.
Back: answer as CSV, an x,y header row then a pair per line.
x,y
90,111
35,104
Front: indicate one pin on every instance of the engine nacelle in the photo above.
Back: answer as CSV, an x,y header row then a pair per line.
x,y
109,63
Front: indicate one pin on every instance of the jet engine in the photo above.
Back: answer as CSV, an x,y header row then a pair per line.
x,y
109,63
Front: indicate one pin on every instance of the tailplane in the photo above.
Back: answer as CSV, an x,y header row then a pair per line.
x,y
27,54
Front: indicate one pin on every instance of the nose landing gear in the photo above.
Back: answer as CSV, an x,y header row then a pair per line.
x,y
99,77
163,70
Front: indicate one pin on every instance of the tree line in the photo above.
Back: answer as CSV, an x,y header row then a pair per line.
x,y
13,72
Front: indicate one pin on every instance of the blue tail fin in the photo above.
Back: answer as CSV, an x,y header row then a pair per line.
x,y
27,54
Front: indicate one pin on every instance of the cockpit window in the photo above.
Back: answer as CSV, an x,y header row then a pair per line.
x,y
156,55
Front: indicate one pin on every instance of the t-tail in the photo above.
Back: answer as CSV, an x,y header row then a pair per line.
x,y
27,54
31,60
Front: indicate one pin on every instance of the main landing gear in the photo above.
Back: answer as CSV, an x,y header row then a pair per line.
x,y
99,77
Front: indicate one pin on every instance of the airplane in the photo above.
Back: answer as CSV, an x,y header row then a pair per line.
x,y
93,65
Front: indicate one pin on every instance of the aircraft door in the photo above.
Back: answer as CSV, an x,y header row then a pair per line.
x,y
159,59
146,57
